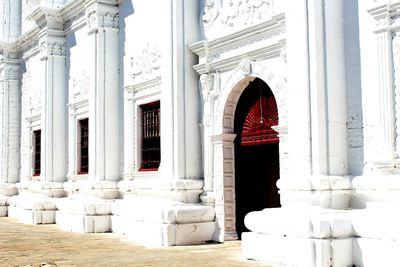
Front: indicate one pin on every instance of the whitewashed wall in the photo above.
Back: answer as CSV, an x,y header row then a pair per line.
x,y
78,45
31,110
161,51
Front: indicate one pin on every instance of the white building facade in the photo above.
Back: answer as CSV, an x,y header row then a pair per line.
x,y
178,122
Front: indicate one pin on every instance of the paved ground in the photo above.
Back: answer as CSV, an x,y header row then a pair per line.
x,y
28,245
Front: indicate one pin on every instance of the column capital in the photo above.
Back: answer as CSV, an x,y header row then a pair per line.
x,y
52,44
10,65
102,15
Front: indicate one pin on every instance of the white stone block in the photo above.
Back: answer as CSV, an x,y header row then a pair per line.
x,y
158,211
3,211
278,250
301,222
383,223
368,252
194,233
83,223
32,216
84,206
293,251
328,199
3,201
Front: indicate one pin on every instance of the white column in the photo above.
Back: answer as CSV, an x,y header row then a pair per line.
x,y
336,85
180,130
385,138
104,101
10,123
10,20
328,88
54,99
298,72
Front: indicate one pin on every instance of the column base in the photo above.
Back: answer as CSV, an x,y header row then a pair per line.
x,y
32,208
84,215
178,190
95,189
157,223
47,189
8,189
329,192
297,251
300,237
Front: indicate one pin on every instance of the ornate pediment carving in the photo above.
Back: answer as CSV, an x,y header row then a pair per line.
x,y
224,16
145,63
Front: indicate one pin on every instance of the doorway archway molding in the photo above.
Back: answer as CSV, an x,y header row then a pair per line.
x,y
219,106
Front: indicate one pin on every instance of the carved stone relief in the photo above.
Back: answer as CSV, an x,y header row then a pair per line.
x,y
80,87
221,16
95,19
34,103
52,48
145,64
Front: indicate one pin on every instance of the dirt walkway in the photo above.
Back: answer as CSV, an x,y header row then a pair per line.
x,y
28,245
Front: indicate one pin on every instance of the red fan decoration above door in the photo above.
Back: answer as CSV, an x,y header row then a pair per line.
x,y
257,125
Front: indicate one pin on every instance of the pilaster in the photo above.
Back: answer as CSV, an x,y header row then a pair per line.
x,y
10,122
104,94
385,158
209,84
180,131
54,99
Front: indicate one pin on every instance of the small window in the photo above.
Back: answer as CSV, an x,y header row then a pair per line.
x,y
83,146
36,152
150,136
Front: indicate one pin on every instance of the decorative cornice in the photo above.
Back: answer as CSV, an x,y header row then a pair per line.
x,y
58,18
49,17
387,17
230,63
78,104
274,26
136,88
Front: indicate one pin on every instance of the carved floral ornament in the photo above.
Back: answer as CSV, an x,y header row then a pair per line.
x,y
95,20
234,14
145,64
52,48
80,86
11,72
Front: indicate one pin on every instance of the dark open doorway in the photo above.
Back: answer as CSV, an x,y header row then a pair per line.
x,y
256,152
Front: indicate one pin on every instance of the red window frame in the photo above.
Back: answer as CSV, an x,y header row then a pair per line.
x,y
84,146
37,137
151,150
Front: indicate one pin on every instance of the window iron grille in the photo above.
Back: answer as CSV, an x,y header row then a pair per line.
x,y
151,155
36,152
84,146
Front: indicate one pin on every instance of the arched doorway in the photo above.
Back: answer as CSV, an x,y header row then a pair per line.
x,y
256,152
